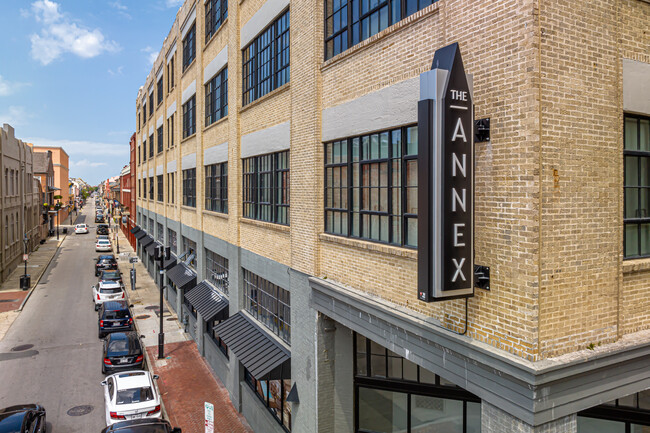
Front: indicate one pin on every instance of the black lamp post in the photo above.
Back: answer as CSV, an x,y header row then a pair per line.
x,y
161,254
25,241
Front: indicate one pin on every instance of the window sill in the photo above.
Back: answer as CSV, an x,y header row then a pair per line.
x,y
269,95
213,124
266,225
186,70
188,138
636,265
223,24
171,90
188,208
216,214
369,246
160,103
429,10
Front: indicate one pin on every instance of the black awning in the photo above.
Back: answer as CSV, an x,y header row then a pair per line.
x,y
135,229
139,235
151,248
255,348
145,241
168,264
182,276
208,302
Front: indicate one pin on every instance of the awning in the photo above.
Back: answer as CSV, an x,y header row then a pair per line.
x,y
208,302
182,276
255,348
139,235
151,249
145,241
135,229
169,263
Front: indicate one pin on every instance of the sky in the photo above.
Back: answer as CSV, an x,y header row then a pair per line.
x,y
70,71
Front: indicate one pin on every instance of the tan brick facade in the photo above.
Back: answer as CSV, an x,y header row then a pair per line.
x,y
549,184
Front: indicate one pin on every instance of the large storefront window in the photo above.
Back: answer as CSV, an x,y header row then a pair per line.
x,y
630,414
273,393
637,186
395,395
268,303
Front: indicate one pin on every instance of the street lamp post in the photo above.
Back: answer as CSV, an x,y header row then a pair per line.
x,y
25,240
161,254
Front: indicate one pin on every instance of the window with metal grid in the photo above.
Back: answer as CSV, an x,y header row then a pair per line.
x,y
216,12
216,97
268,303
637,186
159,133
189,47
216,187
189,117
189,187
266,187
216,270
159,181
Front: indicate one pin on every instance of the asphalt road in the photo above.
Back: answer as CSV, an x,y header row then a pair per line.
x,y
63,368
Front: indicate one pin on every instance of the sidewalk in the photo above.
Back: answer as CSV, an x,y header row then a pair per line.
x,y
186,381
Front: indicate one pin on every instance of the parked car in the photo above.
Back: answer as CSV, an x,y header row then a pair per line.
x,y
99,218
147,425
110,275
114,316
105,262
80,229
24,418
104,237
122,351
107,291
130,395
103,245
102,229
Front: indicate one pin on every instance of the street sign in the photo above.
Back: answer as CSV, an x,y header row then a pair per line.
x,y
133,260
25,257
209,417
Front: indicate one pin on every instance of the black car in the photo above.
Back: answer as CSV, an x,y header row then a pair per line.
x,y
145,425
24,418
105,262
122,351
110,275
102,229
114,316
99,218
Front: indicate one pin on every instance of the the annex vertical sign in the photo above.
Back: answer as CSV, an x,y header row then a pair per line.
x,y
445,179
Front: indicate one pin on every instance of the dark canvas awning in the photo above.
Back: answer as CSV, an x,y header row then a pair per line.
x,y
208,302
135,229
151,248
145,241
168,264
255,348
182,276
139,235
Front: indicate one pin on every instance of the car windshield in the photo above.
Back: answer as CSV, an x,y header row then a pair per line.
x,y
106,290
112,275
118,347
134,395
116,314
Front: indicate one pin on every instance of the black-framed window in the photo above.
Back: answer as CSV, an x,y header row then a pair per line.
x,y
170,73
138,121
144,187
172,240
189,187
170,131
159,133
216,187
139,188
160,233
216,12
371,187
216,97
637,186
190,247
159,90
151,144
139,155
189,117
216,270
151,226
265,61
395,394
144,150
273,394
629,414
171,187
144,113
348,22
151,187
189,47
268,303
266,187
151,106
159,181
223,347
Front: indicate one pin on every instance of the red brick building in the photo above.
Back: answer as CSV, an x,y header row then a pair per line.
x,y
127,197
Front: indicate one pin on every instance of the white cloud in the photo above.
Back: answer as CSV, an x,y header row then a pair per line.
x,y
15,116
118,71
60,35
8,87
173,3
152,54
83,147
121,9
86,163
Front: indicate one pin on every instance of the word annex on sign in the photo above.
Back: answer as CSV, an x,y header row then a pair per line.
x,y
445,179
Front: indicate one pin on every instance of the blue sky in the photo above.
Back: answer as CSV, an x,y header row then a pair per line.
x,y
70,71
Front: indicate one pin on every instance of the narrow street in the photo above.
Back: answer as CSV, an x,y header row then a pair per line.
x,y
59,365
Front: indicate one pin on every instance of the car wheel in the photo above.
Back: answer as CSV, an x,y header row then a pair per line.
x,y
101,335
96,307
103,367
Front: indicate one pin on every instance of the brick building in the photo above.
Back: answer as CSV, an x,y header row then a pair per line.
x,y
277,154
60,162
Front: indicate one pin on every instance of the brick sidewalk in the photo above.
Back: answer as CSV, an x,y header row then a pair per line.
x,y
10,301
186,383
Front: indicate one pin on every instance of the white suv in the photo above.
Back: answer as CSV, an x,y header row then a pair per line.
x,y
80,228
130,395
107,291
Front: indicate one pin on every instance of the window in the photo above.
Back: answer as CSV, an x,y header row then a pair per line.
x,y
189,187
170,187
138,121
151,190
139,188
160,233
151,226
637,186
265,61
215,337
348,22
190,247
144,187
189,117
216,97
371,187
216,270
189,47
159,181
159,89
151,146
170,74
170,131
144,112
266,187
151,106
273,394
159,132
268,303
144,150
216,187
172,241
139,155
216,12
